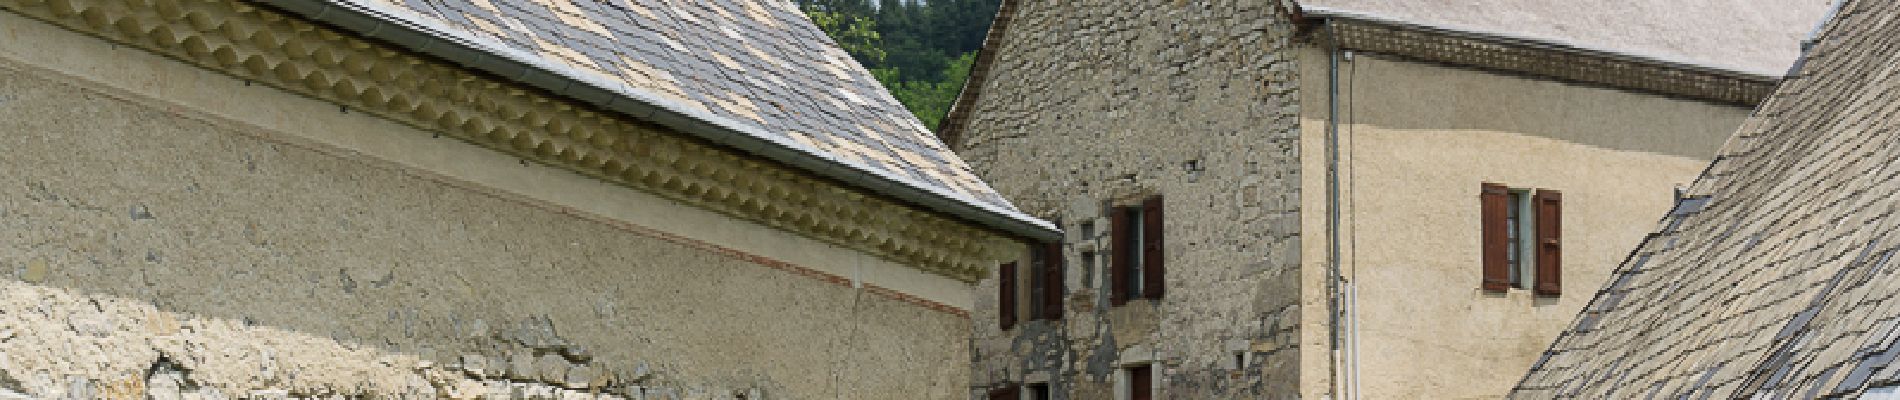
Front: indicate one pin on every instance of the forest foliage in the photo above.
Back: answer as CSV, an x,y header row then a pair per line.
x,y
919,50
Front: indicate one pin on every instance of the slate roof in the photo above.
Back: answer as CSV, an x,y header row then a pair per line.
x,y
1775,277
758,65
1760,37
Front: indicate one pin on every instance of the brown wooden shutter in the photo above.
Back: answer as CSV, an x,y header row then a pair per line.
x,y
1118,264
1008,392
1053,290
1496,202
1006,295
1154,270
1550,227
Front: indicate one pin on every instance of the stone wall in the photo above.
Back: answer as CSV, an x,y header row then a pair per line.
x,y
1095,103
149,248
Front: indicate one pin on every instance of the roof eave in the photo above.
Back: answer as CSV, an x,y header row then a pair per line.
x,y
1559,45
1759,81
455,47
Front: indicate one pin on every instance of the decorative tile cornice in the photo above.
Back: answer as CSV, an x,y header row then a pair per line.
x,y
1522,56
265,46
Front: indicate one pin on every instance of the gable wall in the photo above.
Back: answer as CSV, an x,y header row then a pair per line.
x,y
168,228
1417,141
1092,103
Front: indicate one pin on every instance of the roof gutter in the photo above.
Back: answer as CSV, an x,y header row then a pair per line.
x,y
1538,43
373,22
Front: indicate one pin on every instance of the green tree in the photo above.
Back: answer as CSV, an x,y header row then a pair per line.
x,y
856,34
930,101
920,51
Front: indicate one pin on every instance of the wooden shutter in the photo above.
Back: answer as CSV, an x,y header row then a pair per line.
x,y
1008,392
1154,270
1495,200
1053,290
1118,264
1006,295
1550,227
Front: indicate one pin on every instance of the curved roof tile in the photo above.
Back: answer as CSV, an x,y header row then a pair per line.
x,y
758,64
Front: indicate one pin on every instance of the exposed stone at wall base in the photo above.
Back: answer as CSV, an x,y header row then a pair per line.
x,y
59,344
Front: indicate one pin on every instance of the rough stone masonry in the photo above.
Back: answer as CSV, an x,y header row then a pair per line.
x,y
1194,101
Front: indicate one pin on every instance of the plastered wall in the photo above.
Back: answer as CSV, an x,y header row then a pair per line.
x,y
1093,104
1416,142
191,234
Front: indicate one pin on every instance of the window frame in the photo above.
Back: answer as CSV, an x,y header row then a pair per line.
x,y
1523,216
1036,391
1133,373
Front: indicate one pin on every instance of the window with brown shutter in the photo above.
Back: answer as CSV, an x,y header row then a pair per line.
x,y
1120,263
1054,289
1549,242
1006,295
1153,269
1494,202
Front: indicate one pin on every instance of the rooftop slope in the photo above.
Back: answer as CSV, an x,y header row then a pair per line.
x,y
1775,278
756,65
1760,37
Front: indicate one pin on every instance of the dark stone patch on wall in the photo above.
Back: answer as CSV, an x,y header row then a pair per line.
x,y
1095,104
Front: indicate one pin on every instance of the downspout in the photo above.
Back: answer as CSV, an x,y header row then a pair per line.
x,y
1333,278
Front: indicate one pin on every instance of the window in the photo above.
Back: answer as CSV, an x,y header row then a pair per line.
x,y
1043,299
1006,392
1036,391
1136,269
1141,382
1088,263
1522,244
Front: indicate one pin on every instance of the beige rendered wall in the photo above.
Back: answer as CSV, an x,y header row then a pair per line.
x,y
1416,142
239,239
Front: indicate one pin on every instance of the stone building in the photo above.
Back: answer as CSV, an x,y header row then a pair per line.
x,y
1773,277
1362,199
473,198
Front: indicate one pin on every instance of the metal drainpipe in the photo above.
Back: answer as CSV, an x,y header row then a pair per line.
x,y
1332,207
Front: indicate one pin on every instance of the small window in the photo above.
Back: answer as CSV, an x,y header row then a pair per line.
x,y
1521,235
1141,382
1088,264
1036,391
1006,392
